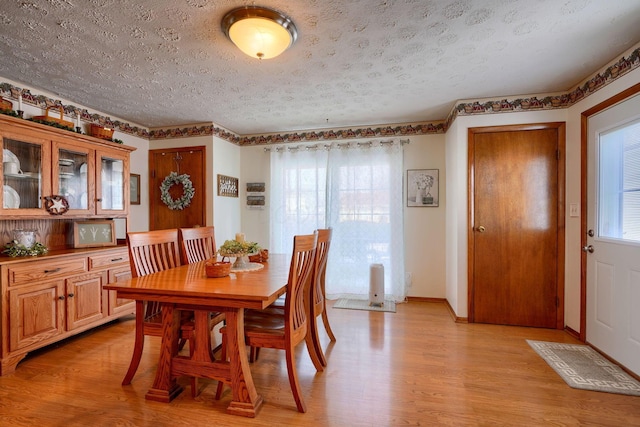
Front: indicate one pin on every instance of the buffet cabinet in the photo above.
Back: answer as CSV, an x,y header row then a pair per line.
x,y
41,162
52,297
51,179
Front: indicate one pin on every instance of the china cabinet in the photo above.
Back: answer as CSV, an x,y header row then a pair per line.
x,y
51,179
40,162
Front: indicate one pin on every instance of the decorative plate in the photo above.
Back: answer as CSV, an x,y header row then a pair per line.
x,y
56,205
11,198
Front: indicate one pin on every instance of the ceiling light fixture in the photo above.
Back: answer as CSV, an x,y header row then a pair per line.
x,y
259,32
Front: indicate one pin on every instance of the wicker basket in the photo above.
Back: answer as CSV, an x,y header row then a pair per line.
x,y
217,269
101,132
261,256
60,120
6,104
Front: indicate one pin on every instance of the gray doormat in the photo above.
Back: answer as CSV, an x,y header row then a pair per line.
x,y
582,367
363,304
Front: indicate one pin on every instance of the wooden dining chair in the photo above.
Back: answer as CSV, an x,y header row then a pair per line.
x,y
150,252
317,303
197,244
284,332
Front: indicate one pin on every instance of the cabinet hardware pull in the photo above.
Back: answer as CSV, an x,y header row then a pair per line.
x,y
98,200
61,297
55,270
116,259
71,295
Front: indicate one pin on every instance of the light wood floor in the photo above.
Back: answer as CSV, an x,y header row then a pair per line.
x,y
410,368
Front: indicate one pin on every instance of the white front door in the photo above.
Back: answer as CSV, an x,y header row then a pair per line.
x,y
613,224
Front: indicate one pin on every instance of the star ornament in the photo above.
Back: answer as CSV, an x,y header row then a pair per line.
x,y
56,205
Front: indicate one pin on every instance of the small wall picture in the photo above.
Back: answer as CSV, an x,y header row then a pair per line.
x,y
88,234
422,187
134,189
255,187
227,186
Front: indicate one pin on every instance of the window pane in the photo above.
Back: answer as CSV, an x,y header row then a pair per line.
x,y
619,183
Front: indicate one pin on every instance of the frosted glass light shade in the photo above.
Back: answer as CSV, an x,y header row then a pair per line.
x,y
258,32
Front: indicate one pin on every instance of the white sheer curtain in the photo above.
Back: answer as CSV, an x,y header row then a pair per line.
x,y
298,186
365,210
354,188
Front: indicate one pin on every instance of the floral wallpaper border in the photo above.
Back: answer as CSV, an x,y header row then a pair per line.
x,y
538,102
9,91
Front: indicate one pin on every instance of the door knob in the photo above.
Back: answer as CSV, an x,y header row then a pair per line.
x,y
588,249
481,229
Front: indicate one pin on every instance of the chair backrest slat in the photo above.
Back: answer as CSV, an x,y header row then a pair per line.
x,y
197,244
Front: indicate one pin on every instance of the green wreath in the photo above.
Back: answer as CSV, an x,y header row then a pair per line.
x,y
187,195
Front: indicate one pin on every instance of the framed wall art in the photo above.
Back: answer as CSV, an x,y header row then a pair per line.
x,y
134,193
89,234
422,187
227,186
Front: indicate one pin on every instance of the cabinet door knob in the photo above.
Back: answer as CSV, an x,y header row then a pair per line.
x,y
61,297
71,295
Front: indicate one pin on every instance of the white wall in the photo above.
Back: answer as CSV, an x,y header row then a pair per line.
x,y
226,161
424,227
425,256
255,166
457,223
138,214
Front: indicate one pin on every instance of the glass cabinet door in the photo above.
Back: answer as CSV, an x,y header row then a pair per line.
x,y
25,175
112,193
73,169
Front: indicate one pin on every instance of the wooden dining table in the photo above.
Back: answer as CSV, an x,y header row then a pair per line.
x,y
188,288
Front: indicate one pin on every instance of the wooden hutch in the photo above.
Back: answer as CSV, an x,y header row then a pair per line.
x,y
54,296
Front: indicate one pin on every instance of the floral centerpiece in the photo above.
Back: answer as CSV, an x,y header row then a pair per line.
x,y
234,248
240,249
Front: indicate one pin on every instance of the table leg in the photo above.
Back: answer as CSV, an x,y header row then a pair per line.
x,y
202,346
165,388
246,400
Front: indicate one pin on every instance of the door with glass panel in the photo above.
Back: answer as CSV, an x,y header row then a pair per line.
x,y
26,175
72,176
112,184
613,233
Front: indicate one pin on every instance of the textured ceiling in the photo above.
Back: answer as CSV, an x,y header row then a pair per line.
x,y
161,63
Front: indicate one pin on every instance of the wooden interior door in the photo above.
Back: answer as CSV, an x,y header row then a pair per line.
x,y
516,241
184,160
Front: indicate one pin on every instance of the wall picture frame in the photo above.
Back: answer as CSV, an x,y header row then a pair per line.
x,y
227,186
423,187
94,233
134,192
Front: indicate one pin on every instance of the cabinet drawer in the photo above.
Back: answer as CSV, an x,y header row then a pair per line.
x,y
30,272
108,260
